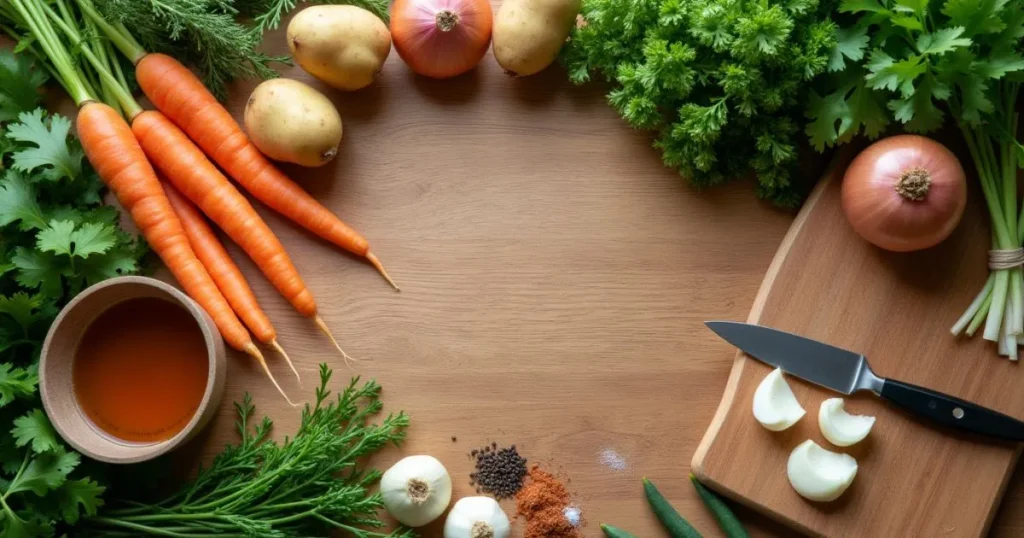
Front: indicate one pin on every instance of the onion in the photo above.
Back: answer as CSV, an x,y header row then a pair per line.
x,y
904,193
441,38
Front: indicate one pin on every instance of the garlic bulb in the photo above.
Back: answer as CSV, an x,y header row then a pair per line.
x,y
476,517
416,490
775,406
840,427
818,474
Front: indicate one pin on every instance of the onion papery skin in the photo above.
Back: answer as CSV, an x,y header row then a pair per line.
x,y
884,211
416,30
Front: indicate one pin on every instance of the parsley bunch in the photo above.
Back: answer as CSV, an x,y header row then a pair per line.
x,y
56,237
722,83
923,64
306,486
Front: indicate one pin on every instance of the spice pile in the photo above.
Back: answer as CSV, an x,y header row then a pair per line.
x,y
545,504
499,471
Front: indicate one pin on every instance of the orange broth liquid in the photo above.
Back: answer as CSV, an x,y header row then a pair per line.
x,y
140,370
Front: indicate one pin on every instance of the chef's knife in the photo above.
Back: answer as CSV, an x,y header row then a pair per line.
x,y
848,372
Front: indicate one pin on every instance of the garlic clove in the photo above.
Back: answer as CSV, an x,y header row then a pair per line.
x,y
818,474
416,490
840,427
775,406
477,517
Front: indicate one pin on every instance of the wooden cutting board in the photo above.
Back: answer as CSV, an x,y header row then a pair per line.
x,y
828,284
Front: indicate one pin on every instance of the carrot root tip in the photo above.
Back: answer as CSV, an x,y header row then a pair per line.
x,y
323,328
251,349
277,347
373,259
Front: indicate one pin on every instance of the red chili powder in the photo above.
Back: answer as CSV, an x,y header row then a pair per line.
x,y
542,502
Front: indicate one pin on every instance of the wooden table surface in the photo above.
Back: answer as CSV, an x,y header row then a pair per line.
x,y
555,279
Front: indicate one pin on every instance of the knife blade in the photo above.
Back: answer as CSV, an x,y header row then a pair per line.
x,y
847,372
822,364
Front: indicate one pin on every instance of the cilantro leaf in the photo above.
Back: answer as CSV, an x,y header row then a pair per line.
x,y
909,22
77,496
35,429
51,149
16,383
850,43
975,16
18,202
942,41
92,238
56,237
22,307
41,270
917,7
112,264
889,74
20,81
861,6
826,112
999,63
44,472
16,527
974,101
919,112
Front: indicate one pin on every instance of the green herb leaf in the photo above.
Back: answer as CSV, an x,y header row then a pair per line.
x,y
942,41
51,146
861,6
39,270
975,16
16,383
850,43
44,472
35,429
78,496
20,81
22,308
18,202
889,74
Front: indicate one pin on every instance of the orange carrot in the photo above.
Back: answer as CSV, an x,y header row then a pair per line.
x,y
118,159
188,169
185,100
225,273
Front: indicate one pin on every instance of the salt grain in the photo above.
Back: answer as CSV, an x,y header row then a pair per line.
x,y
572,515
611,459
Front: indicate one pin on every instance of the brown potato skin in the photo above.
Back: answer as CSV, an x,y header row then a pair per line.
x,y
291,122
528,34
344,46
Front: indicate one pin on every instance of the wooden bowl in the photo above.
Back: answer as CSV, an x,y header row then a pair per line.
x,y
55,367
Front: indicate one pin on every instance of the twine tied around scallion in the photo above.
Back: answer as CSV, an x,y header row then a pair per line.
x,y
1005,258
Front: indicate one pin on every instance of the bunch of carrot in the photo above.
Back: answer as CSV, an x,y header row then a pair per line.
x,y
178,139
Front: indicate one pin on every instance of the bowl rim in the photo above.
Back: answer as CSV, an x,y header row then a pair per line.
x,y
131,452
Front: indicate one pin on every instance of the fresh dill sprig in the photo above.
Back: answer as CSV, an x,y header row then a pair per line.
x,y
309,484
267,14
206,34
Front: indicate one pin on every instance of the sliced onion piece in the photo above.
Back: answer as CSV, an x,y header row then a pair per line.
x,y
775,406
840,427
818,474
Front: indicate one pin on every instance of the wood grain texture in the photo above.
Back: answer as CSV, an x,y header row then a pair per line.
x,y
913,480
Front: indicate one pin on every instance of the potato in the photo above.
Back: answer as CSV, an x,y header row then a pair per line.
x,y
528,34
291,122
344,46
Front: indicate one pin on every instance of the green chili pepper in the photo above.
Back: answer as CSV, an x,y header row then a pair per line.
x,y
727,520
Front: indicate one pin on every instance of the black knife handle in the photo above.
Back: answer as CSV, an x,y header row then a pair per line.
x,y
951,411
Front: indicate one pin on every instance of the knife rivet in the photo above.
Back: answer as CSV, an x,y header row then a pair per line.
x,y
958,413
